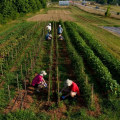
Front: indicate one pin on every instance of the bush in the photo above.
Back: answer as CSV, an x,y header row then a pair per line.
x,y
102,74
77,63
107,13
15,8
39,5
118,13
33,5
22,6
43,2
107,58
2,19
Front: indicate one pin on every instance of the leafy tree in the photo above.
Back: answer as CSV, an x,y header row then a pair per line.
x,y
11,9
22,6
33,5
39,5
43,2
107,13
8,9
112,2
101,1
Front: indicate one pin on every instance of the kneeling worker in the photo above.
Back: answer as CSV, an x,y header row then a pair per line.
x,y
39,82
60,37
71,89
48,37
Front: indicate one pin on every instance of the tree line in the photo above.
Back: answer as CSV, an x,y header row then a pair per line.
x,y
113,2
12,9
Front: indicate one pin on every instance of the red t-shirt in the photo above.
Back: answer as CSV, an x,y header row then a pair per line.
x,y
75,88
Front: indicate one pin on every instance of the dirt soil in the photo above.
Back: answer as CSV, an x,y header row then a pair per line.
x,y
27,100
51,15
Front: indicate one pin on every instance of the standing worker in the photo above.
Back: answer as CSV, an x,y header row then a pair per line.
x,y
71,89
60,30
48,27
39,82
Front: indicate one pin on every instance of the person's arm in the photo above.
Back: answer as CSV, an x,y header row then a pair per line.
x,y
67,95
43,80
63,89
63,97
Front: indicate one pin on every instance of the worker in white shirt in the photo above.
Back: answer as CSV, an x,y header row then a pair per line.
x,y
48,27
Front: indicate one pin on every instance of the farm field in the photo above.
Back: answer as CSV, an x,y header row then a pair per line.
x,y
88,55
100,10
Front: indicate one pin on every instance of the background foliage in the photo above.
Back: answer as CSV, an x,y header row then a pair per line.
x,y
12,9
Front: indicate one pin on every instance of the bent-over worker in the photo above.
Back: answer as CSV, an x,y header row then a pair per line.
x,y
60,37
48,36
39,82
71,89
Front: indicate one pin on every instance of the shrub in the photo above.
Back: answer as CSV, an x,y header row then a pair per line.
x,y
118,13
109,60
2,19
77,63
107,13
102,74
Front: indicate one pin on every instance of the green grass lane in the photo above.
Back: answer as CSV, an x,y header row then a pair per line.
x,y
107,39
92,18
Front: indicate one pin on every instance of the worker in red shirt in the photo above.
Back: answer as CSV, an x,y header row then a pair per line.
x,y
71,89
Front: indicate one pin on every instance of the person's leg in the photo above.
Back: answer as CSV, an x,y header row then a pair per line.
x,y
36,87
73,94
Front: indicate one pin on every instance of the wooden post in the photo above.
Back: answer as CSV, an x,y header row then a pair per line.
x,y
21,97
31,64
8,55
49,89
26,68
9,92
28,73
3,55
1,70
25,84
12,55
16,53
18,83
86,80
58,86
30,55
21,72
92,96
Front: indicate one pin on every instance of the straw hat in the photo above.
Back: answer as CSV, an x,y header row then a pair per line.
x,y
43,73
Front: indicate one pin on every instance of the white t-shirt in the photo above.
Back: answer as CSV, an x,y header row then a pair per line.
x,y
48,27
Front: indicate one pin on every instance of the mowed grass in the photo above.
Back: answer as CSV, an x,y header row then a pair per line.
x,y
93,24
92,18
